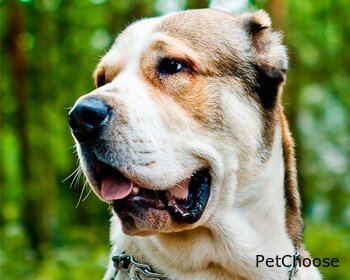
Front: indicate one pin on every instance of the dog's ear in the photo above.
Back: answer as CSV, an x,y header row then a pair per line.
x,y
269,55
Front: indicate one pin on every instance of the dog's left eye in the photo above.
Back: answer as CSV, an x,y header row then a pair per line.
x,y
168,66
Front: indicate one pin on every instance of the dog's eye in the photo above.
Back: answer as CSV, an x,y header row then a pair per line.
x,y
168,66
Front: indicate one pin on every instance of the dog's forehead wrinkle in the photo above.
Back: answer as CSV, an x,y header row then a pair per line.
x,y
207,30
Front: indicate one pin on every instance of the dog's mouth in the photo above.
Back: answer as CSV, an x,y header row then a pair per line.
x,y
184,201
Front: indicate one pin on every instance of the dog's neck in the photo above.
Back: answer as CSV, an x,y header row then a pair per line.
x,y
261,201
259,226
258,223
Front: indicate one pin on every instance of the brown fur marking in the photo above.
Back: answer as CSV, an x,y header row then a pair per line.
x,y
294,222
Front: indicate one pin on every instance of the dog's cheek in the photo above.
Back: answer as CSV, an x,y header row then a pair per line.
x,y
193,95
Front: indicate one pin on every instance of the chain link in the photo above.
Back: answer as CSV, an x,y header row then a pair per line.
x,y
294,267
135,270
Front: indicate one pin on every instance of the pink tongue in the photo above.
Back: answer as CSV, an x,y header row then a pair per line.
x,y
115,188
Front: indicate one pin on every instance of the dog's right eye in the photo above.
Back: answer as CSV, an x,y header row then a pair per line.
x,y
169,66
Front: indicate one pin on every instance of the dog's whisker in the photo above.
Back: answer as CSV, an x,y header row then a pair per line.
x,y
72,147
87,195
75,151
76,178
81,195
73,173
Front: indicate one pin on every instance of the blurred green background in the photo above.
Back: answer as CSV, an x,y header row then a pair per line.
x,y
49,49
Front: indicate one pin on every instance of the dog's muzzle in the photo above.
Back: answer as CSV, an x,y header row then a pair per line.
x,y
184,201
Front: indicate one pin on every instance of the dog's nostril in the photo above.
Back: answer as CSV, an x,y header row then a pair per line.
x,y
87,118
91,117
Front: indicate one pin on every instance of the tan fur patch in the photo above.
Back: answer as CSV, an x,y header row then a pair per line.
x,y
294,222
187,88
219,44
104,74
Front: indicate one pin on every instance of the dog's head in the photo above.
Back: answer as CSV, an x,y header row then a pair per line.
x,y
183,111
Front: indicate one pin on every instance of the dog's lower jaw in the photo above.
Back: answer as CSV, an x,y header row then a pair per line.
x,y
228,244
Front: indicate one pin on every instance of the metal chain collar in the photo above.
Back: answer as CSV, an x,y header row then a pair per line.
x,y
139,271
294,267
135,270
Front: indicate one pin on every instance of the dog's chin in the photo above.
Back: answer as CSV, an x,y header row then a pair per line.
x,y
145,221
144,211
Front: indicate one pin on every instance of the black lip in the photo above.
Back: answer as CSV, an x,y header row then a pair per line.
x,y
199,191
189,211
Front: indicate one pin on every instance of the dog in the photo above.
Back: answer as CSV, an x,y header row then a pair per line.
x,y
186,139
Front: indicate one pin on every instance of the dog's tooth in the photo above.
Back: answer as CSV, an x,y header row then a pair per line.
x,y
135,190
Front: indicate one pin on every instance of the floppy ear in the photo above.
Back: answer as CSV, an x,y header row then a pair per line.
x,y
269,56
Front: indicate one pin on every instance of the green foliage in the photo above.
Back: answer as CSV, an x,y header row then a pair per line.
x,y
81,257
320,76
329,241
43,235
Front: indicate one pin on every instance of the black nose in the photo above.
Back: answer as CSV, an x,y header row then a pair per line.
x,y
87,119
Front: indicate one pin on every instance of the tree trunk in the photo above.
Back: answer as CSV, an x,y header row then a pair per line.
x,y
18,65
36,169
278,10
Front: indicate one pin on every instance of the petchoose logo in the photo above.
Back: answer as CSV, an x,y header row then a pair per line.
x,y
289,260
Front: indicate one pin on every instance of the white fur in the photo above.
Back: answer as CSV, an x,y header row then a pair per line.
x,y
245,215
253,225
